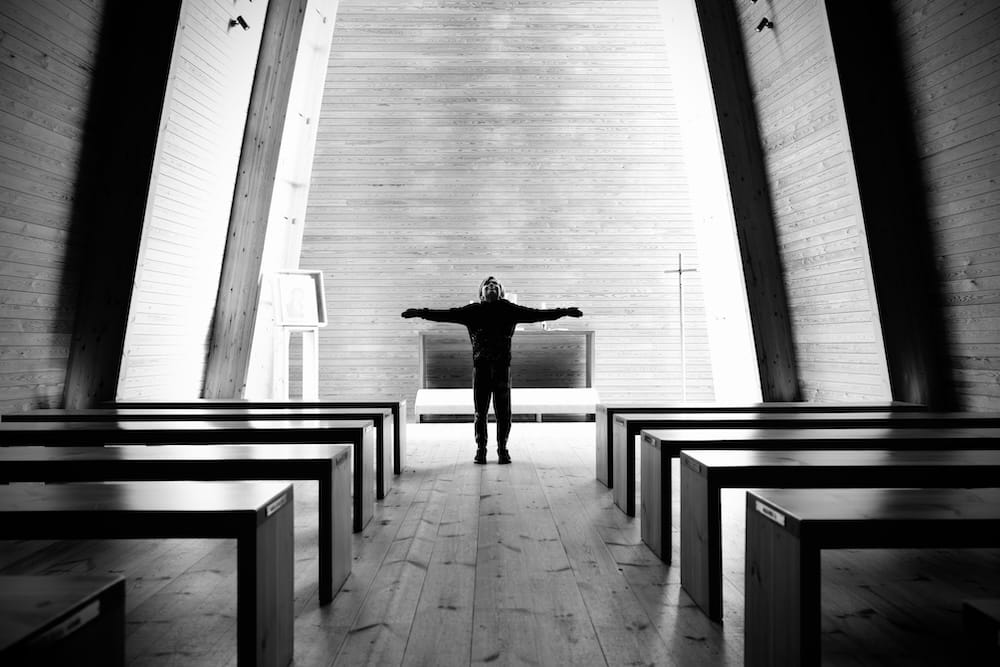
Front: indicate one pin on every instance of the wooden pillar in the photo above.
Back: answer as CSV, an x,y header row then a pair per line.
x,y
893,203
750,193
239,285
116,164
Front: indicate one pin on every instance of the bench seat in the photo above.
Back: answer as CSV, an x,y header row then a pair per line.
x,y
628,426
258,515
54,619
981,619
786,529
524,400
398,408
705,473
359,434
382,418
659,446
607,410
328,465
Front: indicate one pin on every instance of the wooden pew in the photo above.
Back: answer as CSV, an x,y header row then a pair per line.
x,y
59,619
398,408
788,528
606,412
705,473
359,434
659,446
258,515
628,427
329,465
981,619
381,417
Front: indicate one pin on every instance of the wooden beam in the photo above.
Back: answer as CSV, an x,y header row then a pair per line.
x,y
749,187
893,204
239,284
118,147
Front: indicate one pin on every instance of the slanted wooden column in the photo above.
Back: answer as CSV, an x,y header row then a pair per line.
x,y
744,159
239,284
115,167
894,203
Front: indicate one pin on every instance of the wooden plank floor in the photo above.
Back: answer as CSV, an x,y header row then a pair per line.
x,y
523,564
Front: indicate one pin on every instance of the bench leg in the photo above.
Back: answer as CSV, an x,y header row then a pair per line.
x,y
383,467
335,553
364,481
782,612
399,433
265,583
701,541
602,429
655,521
623,489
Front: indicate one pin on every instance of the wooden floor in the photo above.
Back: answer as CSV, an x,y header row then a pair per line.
x,y
523,564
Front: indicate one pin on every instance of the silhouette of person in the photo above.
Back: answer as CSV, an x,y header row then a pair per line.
x,y
491,324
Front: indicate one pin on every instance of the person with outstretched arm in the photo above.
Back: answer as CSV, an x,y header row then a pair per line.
x,y
491,324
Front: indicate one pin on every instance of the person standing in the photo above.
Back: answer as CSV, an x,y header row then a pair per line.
x,y
491,324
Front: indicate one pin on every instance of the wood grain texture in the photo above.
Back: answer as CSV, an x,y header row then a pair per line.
x,y
814,195
415,587
50,60
190,197
235,307
949,55
753,207
538,143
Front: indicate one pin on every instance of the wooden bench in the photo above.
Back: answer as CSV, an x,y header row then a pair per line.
x,y
329,465
258,515
659,446
382,418
59,619
523,400
981,619
359,434
606,412
786,529
629,426
705,473
397,407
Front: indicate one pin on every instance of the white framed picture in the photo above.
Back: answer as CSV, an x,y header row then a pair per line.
x,y
300,298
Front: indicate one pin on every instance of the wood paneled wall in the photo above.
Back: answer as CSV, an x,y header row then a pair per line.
x,y
536,141
951,59
814,195
191,193
48,52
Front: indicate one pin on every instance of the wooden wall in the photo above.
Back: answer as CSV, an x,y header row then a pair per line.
x,y
951,59
48,52
191,191
460,144
814,196
535,141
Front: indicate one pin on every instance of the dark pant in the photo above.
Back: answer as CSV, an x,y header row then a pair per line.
x,y
491,381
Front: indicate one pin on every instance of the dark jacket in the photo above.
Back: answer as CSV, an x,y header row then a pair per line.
x,y
491,325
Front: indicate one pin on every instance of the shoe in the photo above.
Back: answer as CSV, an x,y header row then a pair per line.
x,y
480,456
503,455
